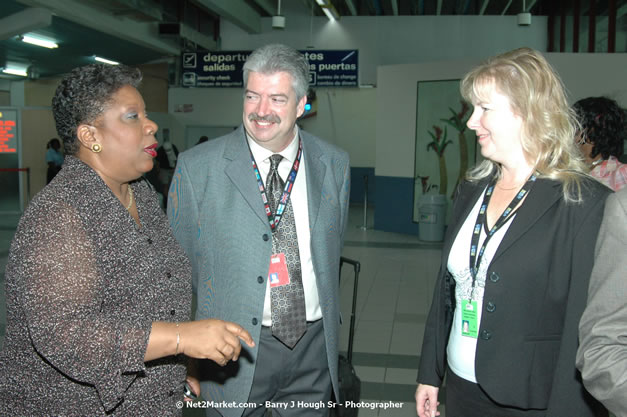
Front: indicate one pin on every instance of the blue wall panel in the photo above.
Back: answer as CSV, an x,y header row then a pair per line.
x,y
394,202
358,185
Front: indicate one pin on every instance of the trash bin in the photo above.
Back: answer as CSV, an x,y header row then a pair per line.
x,y
431,216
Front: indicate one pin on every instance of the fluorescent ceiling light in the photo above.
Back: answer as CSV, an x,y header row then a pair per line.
x,y
328,13
106,61
15,71
328,9
35,40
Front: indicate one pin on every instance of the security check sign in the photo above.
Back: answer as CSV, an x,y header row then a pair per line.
x,y
223,69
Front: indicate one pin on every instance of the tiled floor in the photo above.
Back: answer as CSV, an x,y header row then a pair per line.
x,y
394,293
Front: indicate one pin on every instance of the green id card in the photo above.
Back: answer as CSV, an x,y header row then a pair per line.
x,y
469,318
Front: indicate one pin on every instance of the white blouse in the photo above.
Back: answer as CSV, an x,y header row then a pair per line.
x,y
461,349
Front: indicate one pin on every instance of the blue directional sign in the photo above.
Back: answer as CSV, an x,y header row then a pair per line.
x,y
223,69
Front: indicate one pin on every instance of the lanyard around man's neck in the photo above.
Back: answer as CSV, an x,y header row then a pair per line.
x,y
275,218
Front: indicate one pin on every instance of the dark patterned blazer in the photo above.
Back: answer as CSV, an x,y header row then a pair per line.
x,y
83,285
535,293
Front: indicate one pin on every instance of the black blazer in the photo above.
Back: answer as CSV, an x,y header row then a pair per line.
x,y
536,289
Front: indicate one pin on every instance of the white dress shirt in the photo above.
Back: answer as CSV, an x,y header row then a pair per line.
x,y
298,199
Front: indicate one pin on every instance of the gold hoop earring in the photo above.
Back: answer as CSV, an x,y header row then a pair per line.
x,y
96,148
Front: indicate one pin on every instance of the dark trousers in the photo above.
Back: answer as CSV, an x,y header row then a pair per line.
x,y
296,381
467,399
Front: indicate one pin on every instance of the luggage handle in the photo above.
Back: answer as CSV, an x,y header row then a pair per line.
x,y
357,267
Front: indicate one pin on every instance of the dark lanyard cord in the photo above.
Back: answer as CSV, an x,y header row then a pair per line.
x,y
475,258
275,218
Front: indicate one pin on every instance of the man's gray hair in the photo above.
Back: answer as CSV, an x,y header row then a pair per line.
x,y
273,58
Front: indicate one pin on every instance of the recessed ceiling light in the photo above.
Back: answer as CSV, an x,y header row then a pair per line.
x,y
106,61
15,71
39,41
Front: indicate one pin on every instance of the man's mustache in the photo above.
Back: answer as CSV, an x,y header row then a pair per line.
x,y
271,118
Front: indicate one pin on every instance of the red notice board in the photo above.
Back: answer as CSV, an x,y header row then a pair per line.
x,y
8,131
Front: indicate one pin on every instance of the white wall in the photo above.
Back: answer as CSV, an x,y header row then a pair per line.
x,y
386,40
17,93
209,107
396,112
583,75
586,75
377,126
345,117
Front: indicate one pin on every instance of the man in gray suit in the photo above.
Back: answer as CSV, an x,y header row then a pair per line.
x,y
232,214
602,354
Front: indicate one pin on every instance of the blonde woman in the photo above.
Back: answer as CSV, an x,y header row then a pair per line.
x,y
517,256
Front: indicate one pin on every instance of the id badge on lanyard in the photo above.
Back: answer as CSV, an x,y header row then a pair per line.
x,y
278,273
470,326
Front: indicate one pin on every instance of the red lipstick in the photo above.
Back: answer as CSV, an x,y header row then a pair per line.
x,y
151,150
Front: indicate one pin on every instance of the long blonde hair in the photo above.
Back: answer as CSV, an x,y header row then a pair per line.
x,y
537,94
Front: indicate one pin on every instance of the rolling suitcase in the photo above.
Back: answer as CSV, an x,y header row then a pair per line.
x,y
350,385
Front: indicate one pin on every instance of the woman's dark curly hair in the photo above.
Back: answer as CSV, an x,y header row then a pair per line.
x,y
603,122
83,95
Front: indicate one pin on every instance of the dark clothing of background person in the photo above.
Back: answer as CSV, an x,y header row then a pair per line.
x,y
162,157
166,167
54,159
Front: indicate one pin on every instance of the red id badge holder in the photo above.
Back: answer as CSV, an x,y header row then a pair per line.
x,y
278,274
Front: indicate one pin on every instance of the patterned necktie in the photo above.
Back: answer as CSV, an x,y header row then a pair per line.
x,y
289,320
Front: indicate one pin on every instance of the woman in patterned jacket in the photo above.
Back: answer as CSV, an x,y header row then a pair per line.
x,y
98,290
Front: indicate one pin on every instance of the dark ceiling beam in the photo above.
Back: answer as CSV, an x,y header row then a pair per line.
x,y
602,24
484,5
413,8
576,17
144,34
530,4
592,16
466,6
509,3
377,7
620,12
144,7
200,39
267,6
351,7
236,11
611,28
562,25
24,21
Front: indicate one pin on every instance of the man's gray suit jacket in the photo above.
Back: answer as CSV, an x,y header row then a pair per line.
x,y
217,214
602,354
